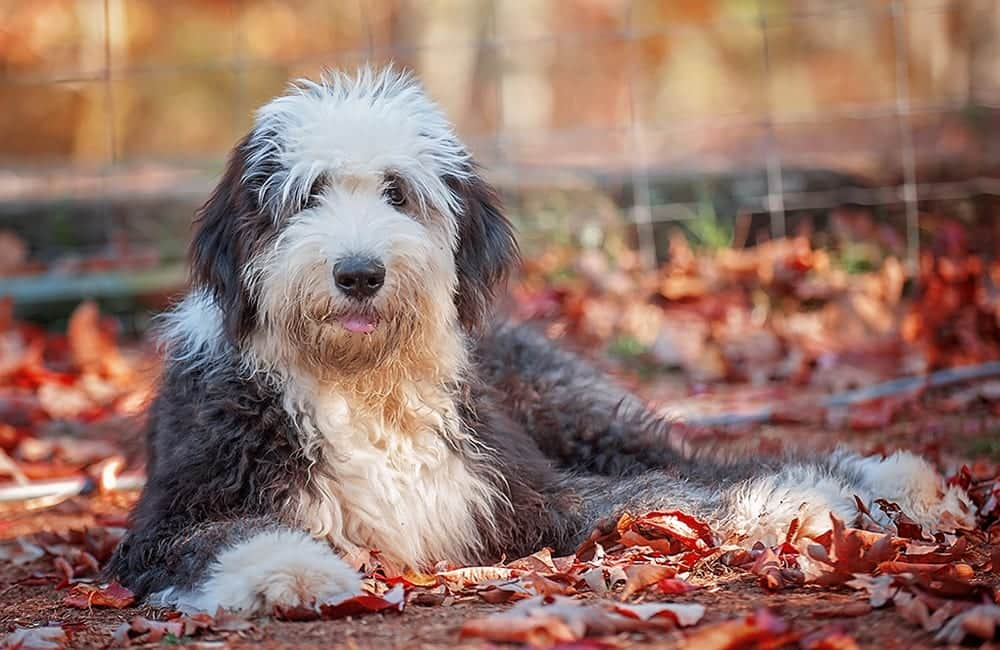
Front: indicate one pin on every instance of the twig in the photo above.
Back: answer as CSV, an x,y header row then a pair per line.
x,y
939,379
10,467
66,488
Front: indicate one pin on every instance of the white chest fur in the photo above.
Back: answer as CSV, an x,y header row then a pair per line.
x,y
406,494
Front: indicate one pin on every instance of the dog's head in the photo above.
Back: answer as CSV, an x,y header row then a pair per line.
x,y
351,223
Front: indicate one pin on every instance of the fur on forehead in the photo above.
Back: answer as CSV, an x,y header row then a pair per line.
x,y
361,125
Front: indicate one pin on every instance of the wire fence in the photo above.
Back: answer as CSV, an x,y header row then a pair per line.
x,y
788,106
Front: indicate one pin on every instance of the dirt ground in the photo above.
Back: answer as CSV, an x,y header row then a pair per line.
x,y
725,594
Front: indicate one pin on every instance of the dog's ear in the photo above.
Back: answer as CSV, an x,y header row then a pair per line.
x,y
227,228
487,250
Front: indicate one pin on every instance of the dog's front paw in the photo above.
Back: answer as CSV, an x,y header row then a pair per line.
x,y
910,482
278,568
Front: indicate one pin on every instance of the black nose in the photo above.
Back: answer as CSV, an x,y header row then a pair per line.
x,y
359,277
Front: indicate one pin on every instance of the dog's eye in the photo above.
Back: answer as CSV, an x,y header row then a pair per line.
x,y
393,192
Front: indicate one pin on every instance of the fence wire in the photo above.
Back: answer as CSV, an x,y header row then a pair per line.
x,y
635,90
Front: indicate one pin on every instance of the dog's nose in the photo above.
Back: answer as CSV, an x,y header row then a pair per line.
x,y
359,277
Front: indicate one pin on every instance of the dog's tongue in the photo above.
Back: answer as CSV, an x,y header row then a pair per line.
x,y
360,324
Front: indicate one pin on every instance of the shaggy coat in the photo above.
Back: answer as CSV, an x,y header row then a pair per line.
x,y
308,415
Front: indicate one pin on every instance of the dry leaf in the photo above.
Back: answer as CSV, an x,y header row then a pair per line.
x,y
979,623
459,579
684,614
760,630
641,576
36,638
541,622
393,600
85,596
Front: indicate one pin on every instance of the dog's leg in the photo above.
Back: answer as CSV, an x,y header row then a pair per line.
x,y
913,484
272,568
211,527
250,565
757,501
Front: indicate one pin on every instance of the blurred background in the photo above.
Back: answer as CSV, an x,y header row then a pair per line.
x,y
777,220
734,186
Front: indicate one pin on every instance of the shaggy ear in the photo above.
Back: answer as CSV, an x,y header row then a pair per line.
x,y
487,251
227,228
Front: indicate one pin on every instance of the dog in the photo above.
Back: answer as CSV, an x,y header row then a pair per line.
x,y
336,381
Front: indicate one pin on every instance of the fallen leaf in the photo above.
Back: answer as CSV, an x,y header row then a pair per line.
x,y
544,586
641,576
20,551
829,638
85,596
690,532
533,631
141,630
392,600
296,613
539,561
459,579
684,614
979,623
880,589
767,567
36,638
675,586
759,630
542,622
502,591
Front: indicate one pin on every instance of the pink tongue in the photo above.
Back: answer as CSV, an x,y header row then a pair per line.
x,y
358,324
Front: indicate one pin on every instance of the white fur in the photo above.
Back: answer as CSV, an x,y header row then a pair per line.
x,y
192,330
389,481
354,132
912,483
274,568
354,126
764,507
405,494
353,219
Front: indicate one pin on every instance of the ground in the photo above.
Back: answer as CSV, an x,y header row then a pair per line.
x,y
751,349
726,592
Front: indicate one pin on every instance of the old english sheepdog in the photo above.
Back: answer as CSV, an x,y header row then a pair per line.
x,y
336,382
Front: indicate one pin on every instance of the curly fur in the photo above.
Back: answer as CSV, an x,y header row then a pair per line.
x,y
410,421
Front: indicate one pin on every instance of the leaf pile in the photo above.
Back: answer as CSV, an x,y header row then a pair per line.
x,y
179,628
55,388
782,312
389,600
72,555
782,315
626,580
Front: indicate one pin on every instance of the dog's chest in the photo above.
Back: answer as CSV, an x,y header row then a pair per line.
x,y
406,494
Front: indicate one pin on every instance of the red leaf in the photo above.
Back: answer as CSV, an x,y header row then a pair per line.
x,y
141,630
393,600
296,614
37,638
84,596
641,576
675,586
962,478
760,630
767,568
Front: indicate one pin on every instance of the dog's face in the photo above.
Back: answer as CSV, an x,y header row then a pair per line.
x,y
351,224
